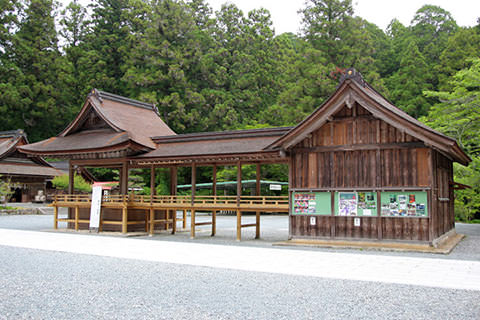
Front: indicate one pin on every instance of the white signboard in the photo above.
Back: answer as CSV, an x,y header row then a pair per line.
x,y
313,221
356,222
275,187
95,208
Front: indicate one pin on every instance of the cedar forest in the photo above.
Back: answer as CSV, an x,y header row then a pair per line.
x,y
209,71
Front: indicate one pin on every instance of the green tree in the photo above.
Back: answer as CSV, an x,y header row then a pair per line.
x,y
457,115
61,183
406,85
39,69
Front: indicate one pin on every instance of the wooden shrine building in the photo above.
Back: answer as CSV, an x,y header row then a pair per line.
x,y
27,175
359,168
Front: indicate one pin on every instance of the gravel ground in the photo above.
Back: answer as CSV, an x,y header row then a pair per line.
x,y
52,285
274,228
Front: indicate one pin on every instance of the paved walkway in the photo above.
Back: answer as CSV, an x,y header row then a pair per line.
x,y
442,273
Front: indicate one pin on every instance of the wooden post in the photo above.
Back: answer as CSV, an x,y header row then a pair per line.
x,y
239,193
184,222
194,182
239,182
257,193
124,219
71,181
173,192
290,200
214,212
76,218
124,179
71,185
192,224
214,222
239,225
152,221
152,183
55,217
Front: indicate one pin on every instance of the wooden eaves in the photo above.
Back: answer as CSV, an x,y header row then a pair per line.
x,y
352,90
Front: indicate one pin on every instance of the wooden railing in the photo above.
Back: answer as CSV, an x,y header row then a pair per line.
x,y
279,203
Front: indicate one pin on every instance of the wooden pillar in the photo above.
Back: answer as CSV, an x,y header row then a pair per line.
x,y
76,218
192,223
124,179
71,185
214,189
257,193
124,219
173,192
290,200
192,210
239,182
194,182
152,221
184,222
239,193
71,176
239,225
55,217
152,183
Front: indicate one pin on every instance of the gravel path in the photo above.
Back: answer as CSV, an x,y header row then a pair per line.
x,y
53,285
274,228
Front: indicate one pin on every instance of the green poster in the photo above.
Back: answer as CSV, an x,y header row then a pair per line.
x,y
311,203
404,204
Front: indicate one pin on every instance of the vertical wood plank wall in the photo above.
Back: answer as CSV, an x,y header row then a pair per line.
x,y
359,152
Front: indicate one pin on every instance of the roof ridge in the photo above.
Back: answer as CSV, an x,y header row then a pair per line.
x,y
261,132
115,97
12,133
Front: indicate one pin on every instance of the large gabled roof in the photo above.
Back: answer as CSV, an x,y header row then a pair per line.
x,y
353,89
121,124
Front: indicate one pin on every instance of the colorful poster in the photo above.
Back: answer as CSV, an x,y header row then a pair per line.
x,y
347,204
307,203
404,204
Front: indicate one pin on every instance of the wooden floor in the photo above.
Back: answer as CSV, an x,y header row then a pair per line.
x,y
172,204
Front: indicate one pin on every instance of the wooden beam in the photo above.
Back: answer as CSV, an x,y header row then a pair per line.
x,y
360,147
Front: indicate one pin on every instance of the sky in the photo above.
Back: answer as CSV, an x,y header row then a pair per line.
x,y
285,15
380,12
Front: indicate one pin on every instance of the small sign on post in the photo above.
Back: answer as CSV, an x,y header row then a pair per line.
x,y
313,221
277,187
95,208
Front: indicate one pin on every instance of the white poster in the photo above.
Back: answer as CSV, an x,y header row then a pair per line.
x,y
95,207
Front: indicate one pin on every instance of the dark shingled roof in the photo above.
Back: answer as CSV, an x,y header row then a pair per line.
x,y
214,143
13,163
11,169
353,88
124,121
